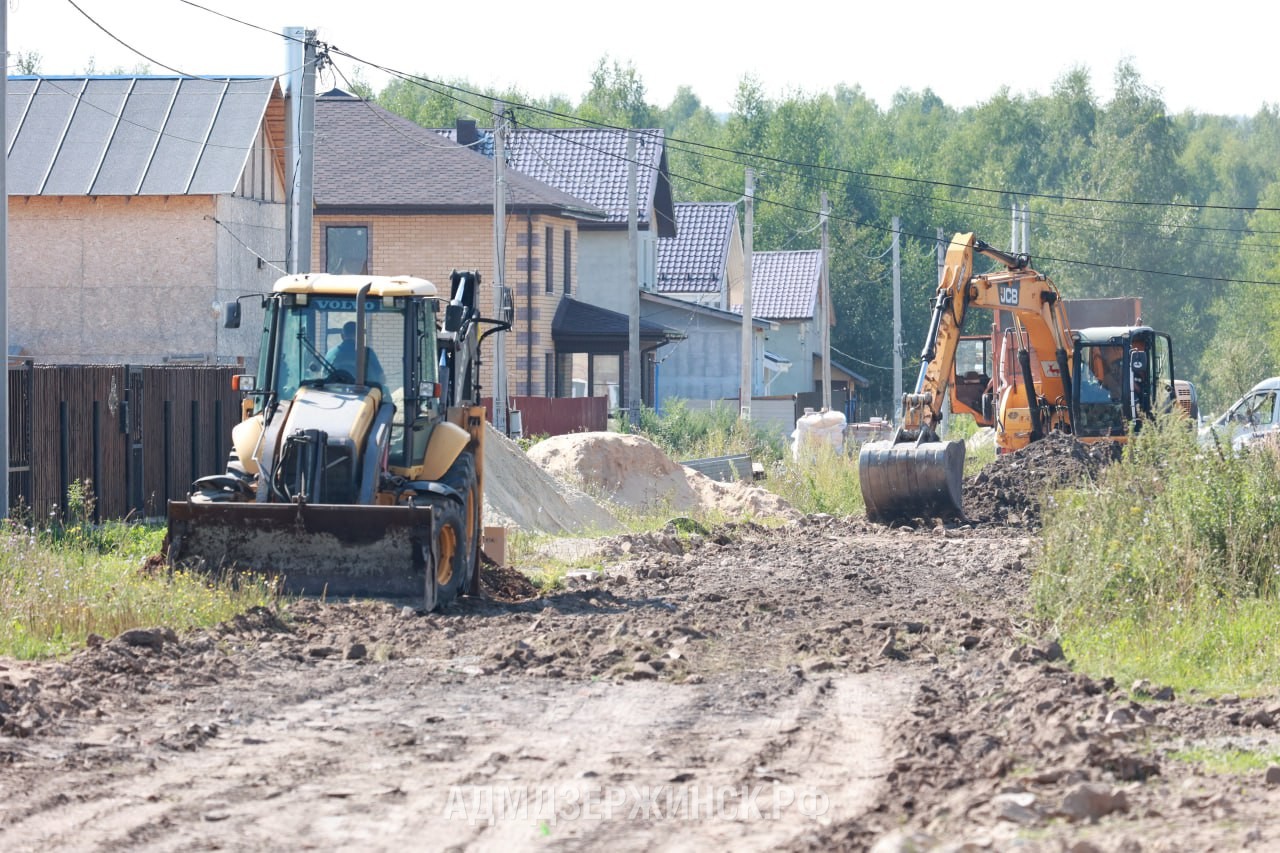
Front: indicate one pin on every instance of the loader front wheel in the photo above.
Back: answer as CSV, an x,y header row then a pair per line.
x,y
461,477
449,573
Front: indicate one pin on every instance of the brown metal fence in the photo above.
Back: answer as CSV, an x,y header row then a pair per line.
x,y
558,415
139,435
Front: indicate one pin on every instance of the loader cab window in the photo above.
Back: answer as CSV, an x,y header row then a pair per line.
x,y
417,406
311,346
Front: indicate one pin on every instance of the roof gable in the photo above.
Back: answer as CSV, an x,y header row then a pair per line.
x,y
132,135
370,158
784,285
695,260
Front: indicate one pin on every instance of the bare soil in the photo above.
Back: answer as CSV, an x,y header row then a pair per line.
x,y
827,684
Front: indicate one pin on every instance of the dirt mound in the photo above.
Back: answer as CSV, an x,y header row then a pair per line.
x,y
518,493
633,472
502,583
1010,490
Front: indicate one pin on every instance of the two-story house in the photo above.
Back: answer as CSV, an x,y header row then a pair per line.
x,y
392,197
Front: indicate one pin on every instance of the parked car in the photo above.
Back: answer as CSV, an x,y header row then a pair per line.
x,y
1251,419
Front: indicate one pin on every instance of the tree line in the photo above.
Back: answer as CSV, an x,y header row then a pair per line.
x,y
1182,211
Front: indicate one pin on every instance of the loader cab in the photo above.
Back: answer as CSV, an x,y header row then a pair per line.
x,y
1119,375
303,326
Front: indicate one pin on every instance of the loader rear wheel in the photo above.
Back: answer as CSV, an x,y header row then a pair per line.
x,y
448,543
461,476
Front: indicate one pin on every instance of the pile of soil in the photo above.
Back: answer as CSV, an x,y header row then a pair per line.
x,y
1012,489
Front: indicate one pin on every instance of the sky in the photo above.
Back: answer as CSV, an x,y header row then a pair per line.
x,y
1219,60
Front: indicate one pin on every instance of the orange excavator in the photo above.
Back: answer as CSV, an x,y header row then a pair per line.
x,y
1090,383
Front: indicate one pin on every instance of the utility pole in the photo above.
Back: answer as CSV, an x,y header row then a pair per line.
x,y
897,327
825,296
1026,227
300,137
4,269
744,389
633,269
500,262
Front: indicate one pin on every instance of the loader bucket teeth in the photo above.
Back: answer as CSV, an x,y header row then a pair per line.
x,y
902,480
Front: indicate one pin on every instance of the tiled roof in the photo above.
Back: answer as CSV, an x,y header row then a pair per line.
x,y
591,164
694,261
369,158
125,135
784,285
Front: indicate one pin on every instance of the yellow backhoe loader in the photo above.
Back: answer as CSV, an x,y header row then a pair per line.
x,y
1031,378
358,467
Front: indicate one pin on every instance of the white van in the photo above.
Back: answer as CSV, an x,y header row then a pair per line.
x,y
1252,418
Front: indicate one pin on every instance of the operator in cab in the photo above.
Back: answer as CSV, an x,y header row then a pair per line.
x,y
343,357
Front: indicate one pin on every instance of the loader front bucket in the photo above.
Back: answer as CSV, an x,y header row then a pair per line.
x,y
905,478
334,550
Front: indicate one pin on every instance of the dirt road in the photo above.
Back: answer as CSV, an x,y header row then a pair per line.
x,y
827,685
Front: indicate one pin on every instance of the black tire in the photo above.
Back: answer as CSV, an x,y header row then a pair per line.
x,y
462,477
448,554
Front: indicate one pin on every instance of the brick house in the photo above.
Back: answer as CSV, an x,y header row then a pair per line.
x,y
136,206
591,164
393,197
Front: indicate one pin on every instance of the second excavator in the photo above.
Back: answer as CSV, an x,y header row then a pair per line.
x,y
1045,377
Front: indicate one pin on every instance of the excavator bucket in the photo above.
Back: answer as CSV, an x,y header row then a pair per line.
x,y
334,550
906,478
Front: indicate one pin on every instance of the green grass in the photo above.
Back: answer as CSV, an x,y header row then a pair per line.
x,y
63,582
685,433
1228,761
1167,568
822,479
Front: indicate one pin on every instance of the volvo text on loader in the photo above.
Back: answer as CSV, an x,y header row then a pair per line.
x,y
357,469
1091,383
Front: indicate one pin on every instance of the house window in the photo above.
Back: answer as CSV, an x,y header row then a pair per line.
x,y
568,258
548,252
346,249
549,374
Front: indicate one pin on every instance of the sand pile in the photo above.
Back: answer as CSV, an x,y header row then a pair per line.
x,y
518,493
634,473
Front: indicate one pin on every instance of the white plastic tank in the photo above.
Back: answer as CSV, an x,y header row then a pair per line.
x,y
816,429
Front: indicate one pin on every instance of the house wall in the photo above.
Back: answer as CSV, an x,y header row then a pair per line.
x,y
707,364
604,270
112,279
250,229
432,246
797,341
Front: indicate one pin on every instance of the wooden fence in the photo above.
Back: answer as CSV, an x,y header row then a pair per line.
x,y
141,435
138,435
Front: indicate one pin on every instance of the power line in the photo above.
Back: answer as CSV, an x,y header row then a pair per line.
x,y
428,83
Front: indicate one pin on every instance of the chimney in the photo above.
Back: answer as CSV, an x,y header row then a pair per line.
x,y
466,132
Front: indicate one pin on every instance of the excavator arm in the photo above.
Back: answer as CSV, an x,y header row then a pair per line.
x,y
915,473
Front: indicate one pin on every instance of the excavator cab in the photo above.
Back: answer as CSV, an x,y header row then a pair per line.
x,y
971,388
1120,375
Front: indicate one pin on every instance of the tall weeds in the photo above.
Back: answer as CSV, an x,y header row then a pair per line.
x,y
1174,546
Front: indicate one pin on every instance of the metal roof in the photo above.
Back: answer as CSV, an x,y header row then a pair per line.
x,y
694,260
784,285
130,136
591,164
